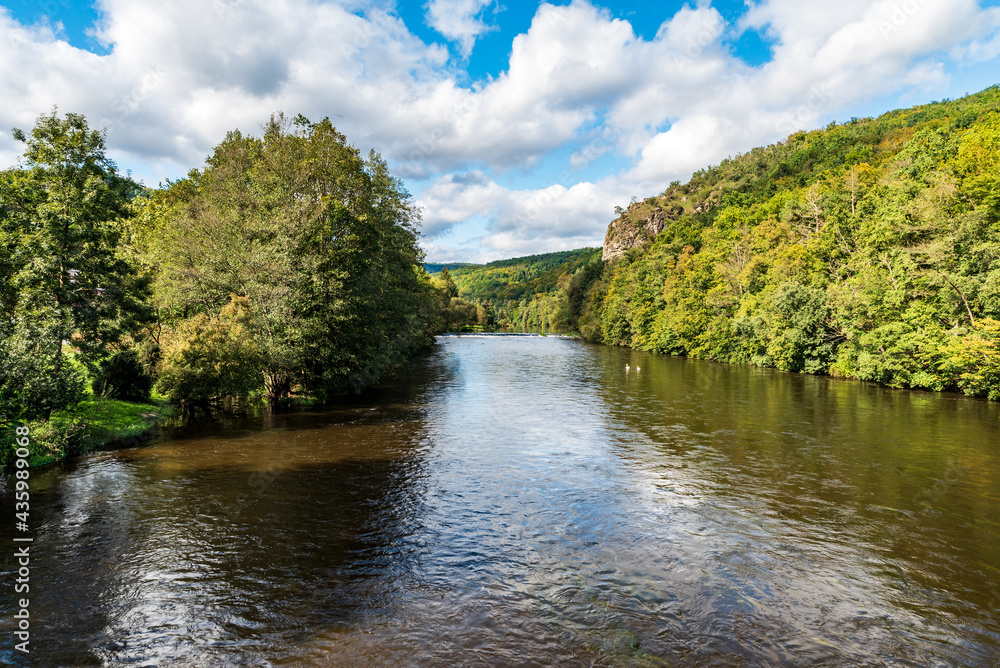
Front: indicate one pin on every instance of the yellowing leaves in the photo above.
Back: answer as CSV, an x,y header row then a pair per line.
x,y
211,357
973,361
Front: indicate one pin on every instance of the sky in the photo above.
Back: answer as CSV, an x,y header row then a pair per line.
x,y
516,127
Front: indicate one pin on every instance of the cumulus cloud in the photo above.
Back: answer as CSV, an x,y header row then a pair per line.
x,y
581,89
458,20
455,198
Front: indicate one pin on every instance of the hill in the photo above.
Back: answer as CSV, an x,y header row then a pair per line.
x,y
524,292
869,250
436,267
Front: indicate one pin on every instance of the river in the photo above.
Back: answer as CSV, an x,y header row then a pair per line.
x,y
526,501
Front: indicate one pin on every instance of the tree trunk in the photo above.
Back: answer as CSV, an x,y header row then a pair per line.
x,y
277,385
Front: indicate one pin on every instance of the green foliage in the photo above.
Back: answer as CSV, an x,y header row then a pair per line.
x,y
289,261
459,314
321,241
83,427
437,267
520,278
62,278
52,440
123,376
34,382
537,292
448,284
788,331
210,357
972,362
868,250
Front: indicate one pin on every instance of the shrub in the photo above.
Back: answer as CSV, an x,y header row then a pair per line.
x,y
49,441
150,354
123,376
973,361
212,357
33,383
459,313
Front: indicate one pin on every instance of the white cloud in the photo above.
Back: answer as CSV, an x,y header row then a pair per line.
x,y
458,20
455,198
988,48
682,149
579,85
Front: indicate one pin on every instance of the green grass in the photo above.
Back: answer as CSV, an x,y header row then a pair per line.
x,y
107,420
93,423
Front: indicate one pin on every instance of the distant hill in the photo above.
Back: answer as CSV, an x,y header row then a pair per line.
x,y
869,249
529,292
519,278
435,267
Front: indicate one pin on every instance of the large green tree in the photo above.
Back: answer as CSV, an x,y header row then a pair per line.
x,y
321,242
62,280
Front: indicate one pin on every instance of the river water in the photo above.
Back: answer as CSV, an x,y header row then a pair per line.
x,y
520,501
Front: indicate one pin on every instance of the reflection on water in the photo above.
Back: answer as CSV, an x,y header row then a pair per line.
x,y
526,501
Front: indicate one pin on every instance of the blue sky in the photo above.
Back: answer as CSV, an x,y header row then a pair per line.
x,y
517,127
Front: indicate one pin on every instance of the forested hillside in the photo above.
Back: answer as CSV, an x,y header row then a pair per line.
x,y
522,292
867,250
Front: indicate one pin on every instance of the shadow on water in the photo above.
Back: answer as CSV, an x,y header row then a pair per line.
x,y
228,532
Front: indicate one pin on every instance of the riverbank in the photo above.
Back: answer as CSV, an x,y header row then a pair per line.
x,y
93,424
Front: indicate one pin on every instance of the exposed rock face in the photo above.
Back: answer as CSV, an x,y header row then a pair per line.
x,y
631,231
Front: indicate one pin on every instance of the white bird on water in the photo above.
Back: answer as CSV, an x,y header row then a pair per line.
x,y
638,369
626,368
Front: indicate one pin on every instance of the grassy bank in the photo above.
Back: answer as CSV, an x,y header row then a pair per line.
x,y
92,424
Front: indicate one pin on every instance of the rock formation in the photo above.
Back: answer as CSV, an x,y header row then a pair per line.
x,y
635,227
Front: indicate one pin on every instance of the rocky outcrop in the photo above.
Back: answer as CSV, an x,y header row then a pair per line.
x,y
635,227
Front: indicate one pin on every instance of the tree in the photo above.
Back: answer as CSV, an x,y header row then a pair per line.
x,y
211,357
869,250
62,280
320,241
450,289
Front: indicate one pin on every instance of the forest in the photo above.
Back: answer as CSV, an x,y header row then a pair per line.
x,y
867,250
520,293
287,266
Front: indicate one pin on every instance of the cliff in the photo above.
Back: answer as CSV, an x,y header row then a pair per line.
x,y
642,221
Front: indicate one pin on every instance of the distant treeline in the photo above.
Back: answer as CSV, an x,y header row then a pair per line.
x,y
526,292
436,267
